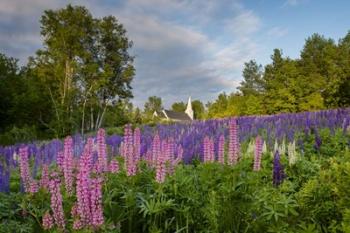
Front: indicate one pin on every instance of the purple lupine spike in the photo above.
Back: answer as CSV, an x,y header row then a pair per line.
x,y
221,149
278,172
233,147
258,153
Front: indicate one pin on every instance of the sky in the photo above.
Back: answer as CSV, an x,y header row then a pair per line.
x,y
188,47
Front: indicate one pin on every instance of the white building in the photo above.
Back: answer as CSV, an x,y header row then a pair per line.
x,y
169,115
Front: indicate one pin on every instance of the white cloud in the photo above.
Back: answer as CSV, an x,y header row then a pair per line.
x,y
176,54
244,24
277,32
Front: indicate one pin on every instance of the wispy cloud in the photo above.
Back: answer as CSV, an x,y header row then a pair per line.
x,y
277,32
182,48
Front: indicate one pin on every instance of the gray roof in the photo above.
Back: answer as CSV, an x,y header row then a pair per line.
x,y
179,116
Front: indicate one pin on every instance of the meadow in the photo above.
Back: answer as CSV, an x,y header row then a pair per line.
x,y
273,173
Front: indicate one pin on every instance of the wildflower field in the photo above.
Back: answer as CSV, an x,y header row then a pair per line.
x,y
274,173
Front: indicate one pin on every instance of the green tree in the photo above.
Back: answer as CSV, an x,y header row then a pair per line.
x,y
198,110
178,106
253,83
84,64
154,103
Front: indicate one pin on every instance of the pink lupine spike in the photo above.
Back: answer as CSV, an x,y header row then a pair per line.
x,y
47,221
221,149
156,149
30,185
258,153
44,182
96,202
137,144
233,147
114,166
83,186
131,167
208,150
68,164
101,151
60,159
56,201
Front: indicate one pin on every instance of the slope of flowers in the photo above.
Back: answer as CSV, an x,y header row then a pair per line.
x,y
280,129
80,183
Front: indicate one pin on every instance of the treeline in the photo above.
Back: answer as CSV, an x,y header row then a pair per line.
x,y
319,79
81,79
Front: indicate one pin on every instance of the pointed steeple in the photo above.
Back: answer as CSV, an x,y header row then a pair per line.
x,y
189,110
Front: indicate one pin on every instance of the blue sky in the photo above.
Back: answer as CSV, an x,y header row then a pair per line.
x,y
185,47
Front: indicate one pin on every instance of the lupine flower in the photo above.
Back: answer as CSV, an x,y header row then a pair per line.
x,y
179,157
292,154
44,182
156,149
68,164
60,159
131,167
258,153
160,161
206,149
101,151
233,146
221,149
137,145
47,221
96,202
56,201
24,167
83,185
33,186
114,166
278,173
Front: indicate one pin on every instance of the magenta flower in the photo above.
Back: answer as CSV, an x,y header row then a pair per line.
x,y
60,159
233,146
156,149
68,164
44,182
258,153
101,151
221,149
47,221
83,184
114,166
208,149
24,167
56,201
137,145
130,164
96,202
